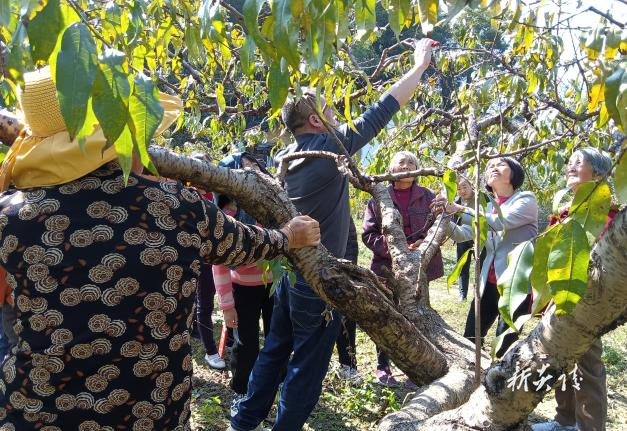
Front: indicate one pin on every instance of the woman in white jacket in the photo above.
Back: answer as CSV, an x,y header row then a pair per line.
x,y
503,177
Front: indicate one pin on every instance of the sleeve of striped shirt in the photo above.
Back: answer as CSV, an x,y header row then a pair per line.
x,y
224,286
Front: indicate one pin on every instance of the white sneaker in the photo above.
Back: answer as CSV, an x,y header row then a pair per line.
x,y
552,426
215,361
237,398
348,373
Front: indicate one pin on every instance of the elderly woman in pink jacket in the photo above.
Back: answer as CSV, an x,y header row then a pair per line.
x,y
412,201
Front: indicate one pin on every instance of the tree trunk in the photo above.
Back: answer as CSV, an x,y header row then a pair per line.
x,y
557,341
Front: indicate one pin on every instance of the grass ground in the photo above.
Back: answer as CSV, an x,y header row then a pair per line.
x,y
344,407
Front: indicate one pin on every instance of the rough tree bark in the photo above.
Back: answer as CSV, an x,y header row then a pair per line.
x,y
558,341
417,339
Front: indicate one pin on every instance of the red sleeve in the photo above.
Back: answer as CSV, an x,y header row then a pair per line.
x,y
610,217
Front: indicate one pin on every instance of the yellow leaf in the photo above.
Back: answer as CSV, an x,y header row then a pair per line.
x,y
604,117
596,96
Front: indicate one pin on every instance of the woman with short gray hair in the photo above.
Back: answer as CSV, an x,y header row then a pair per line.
x,y
585,408
599,162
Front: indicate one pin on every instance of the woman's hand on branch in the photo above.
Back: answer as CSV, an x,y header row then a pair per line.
x,y
302,231
442,205
414,245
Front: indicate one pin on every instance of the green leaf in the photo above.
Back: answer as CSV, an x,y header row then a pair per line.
x,y
17,58
220,98
620,179
590,210
195,49
454,275
115,21
207,12
75,74
111,94
44,29
8,93
365,17
347,106
612,86
278,84
428,14
89,126
398,12
124,150
558,198
3,151
567,267
285,32
343,25
247,56
513,284
251,11
450,183
612,43
517,12
324,36
621,103
136,24
594,43
5,12
539,273
146,114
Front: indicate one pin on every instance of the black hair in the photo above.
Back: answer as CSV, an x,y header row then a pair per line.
x,y
518,173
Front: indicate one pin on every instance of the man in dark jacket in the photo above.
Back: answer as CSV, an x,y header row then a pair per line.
x,y
300,336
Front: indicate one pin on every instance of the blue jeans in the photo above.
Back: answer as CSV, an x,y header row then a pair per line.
x,y
298,325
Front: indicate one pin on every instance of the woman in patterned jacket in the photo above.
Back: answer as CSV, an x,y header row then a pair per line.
x,y
104,277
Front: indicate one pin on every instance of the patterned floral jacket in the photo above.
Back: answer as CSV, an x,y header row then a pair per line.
x,y
104,278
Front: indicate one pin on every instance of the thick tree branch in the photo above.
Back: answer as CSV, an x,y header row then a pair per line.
x,y
340,161
424,172
558,341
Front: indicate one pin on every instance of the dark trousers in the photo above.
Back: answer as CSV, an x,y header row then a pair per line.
x,y
464,275
302,335
204,307
383,361
489,313
346,343
586,407
251,303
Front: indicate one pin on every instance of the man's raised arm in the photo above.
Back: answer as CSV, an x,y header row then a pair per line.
x,y
404,89
381,112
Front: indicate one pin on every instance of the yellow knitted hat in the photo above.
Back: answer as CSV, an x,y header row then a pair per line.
x,y
43,154
38,101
